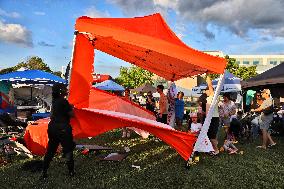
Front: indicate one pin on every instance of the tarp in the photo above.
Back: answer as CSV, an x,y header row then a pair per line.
x,y
146,42
31,77
37,140
145,88
273,76
109,85
149,43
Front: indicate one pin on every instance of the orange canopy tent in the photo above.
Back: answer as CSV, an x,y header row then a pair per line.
x,y
146,42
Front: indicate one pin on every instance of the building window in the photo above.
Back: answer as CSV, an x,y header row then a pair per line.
x,y
273,62
256,62
245,62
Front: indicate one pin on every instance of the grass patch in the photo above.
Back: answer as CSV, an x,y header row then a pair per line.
x,y
161,167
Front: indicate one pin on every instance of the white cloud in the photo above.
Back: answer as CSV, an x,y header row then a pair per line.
x,y
39,13
9,14
236,16
169,4
95,13
15,33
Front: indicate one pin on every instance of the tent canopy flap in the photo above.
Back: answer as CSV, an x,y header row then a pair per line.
x,y
149,43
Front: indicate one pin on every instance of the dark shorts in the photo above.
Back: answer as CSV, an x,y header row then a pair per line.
x,y
213,128
163,119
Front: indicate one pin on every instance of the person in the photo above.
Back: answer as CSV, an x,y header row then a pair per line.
x,y
163,105
229,143
179,110
214,125
59,129
256,103
266,117
195,127
227,113
125,131
202,106
150,102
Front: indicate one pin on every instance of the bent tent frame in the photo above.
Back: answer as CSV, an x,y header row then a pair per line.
x,y
79,99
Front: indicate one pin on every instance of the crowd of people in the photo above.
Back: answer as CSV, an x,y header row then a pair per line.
x,y
225,115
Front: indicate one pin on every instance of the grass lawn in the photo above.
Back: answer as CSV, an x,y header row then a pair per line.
x,y
161,167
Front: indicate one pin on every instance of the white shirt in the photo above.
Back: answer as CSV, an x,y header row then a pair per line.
x,y
195,127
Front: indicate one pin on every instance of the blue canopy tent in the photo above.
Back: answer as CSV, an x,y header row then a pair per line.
x,y
109,85
231,84
32,77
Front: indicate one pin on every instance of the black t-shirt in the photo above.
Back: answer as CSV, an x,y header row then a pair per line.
x,y
150,104
60,111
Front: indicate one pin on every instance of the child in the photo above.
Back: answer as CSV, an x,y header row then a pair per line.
x,y
203,144
229,144
194,126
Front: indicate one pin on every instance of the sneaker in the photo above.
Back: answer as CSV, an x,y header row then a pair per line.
x,y
261,147
233,152
271,145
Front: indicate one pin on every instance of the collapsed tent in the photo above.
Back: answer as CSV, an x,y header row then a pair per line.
x,y
146,42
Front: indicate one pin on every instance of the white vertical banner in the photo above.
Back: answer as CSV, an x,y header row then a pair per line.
x,y
202,137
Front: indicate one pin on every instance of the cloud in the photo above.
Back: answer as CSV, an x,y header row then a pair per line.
x,y
95,13
39,13
236,16
44,44
15,33
9,14
141,8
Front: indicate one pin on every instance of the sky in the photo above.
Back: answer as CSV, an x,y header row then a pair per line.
x,y
45,28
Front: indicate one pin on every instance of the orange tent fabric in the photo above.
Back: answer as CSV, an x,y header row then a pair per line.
x,y
105,101
149,43
146,42
103,121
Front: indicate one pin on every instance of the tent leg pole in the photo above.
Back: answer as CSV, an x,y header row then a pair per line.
x,y
71,62
205,127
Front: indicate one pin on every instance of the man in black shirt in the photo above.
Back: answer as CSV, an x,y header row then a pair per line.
x,y
59,129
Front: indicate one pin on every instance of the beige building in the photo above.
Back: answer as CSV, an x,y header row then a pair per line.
x,y
262,62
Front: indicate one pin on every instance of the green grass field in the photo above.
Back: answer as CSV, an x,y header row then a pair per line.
x,y
161,167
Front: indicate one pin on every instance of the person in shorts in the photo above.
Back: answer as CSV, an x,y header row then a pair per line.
x,y
266,117
214,125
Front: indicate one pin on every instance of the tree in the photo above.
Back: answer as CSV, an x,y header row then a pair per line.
x,y
32,63
58,73
240,71
134,77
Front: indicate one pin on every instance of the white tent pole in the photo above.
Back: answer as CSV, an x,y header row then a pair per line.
x,y
71,63
205,127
